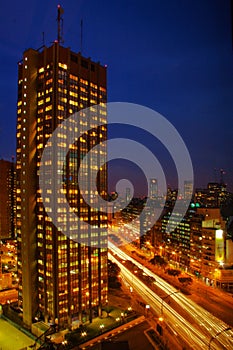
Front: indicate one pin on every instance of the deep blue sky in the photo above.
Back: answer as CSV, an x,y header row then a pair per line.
x,y
174,56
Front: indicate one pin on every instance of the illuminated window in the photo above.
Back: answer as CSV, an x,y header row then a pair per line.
x,y
85,82
74,103
84,98
63,99
64,66
73,77
73,94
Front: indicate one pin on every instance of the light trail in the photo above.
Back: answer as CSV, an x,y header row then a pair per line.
x,y
209,324
190,334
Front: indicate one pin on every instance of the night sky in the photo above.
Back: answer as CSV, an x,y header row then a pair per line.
x,y
174,56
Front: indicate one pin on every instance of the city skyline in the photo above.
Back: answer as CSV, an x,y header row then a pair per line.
x,y
168,63
75,271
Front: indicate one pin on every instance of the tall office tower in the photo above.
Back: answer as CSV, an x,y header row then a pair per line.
x,y
153,189
7,199
127,194
188,189
61,280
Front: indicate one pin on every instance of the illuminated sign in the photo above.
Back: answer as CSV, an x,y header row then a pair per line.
x,y
219,246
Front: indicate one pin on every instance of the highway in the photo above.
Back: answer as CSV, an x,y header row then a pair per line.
x,y
205,332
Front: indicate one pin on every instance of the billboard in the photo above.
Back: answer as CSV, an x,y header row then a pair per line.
x,y
219,246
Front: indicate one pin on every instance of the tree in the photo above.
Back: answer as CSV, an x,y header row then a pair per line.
x,y
185,280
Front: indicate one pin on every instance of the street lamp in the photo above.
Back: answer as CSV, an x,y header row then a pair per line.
x,y
161,250
147,309
217,334
101,327
175,259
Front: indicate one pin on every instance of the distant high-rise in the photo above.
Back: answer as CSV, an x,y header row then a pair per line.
x,y
127,194
188,189
60,280
153,194
7,199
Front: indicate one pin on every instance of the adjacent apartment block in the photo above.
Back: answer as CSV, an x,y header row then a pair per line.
x,y
7,199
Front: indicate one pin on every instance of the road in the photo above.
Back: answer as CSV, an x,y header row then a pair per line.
x,y
204,329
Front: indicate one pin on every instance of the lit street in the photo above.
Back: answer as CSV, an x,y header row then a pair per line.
x,y
203,327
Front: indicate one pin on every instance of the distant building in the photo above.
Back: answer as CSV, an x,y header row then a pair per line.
x,y
127,194
214,196
200,243
7,199
196,244
153,193
178,240
188,190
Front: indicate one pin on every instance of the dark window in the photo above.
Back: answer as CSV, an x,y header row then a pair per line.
x,y
92,67
84,64
74,58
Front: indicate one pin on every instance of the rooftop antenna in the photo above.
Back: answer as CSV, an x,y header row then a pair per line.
x,y
43,40
81,35
222,172
60,11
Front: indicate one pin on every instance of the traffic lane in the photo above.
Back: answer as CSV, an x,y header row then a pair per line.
x,y
206,319
183,328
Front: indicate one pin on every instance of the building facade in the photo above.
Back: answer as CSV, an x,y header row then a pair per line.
x,y
60,280
7,199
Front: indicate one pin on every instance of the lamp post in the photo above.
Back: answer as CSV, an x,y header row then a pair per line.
x,y
175,258
217,334
161,251
101,328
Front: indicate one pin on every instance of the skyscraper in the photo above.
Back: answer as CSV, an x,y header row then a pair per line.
x,y
61,280
153,194
188,189
7,199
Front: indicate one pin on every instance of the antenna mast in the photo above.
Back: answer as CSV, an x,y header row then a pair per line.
x,y
81,35
60,11
222,172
